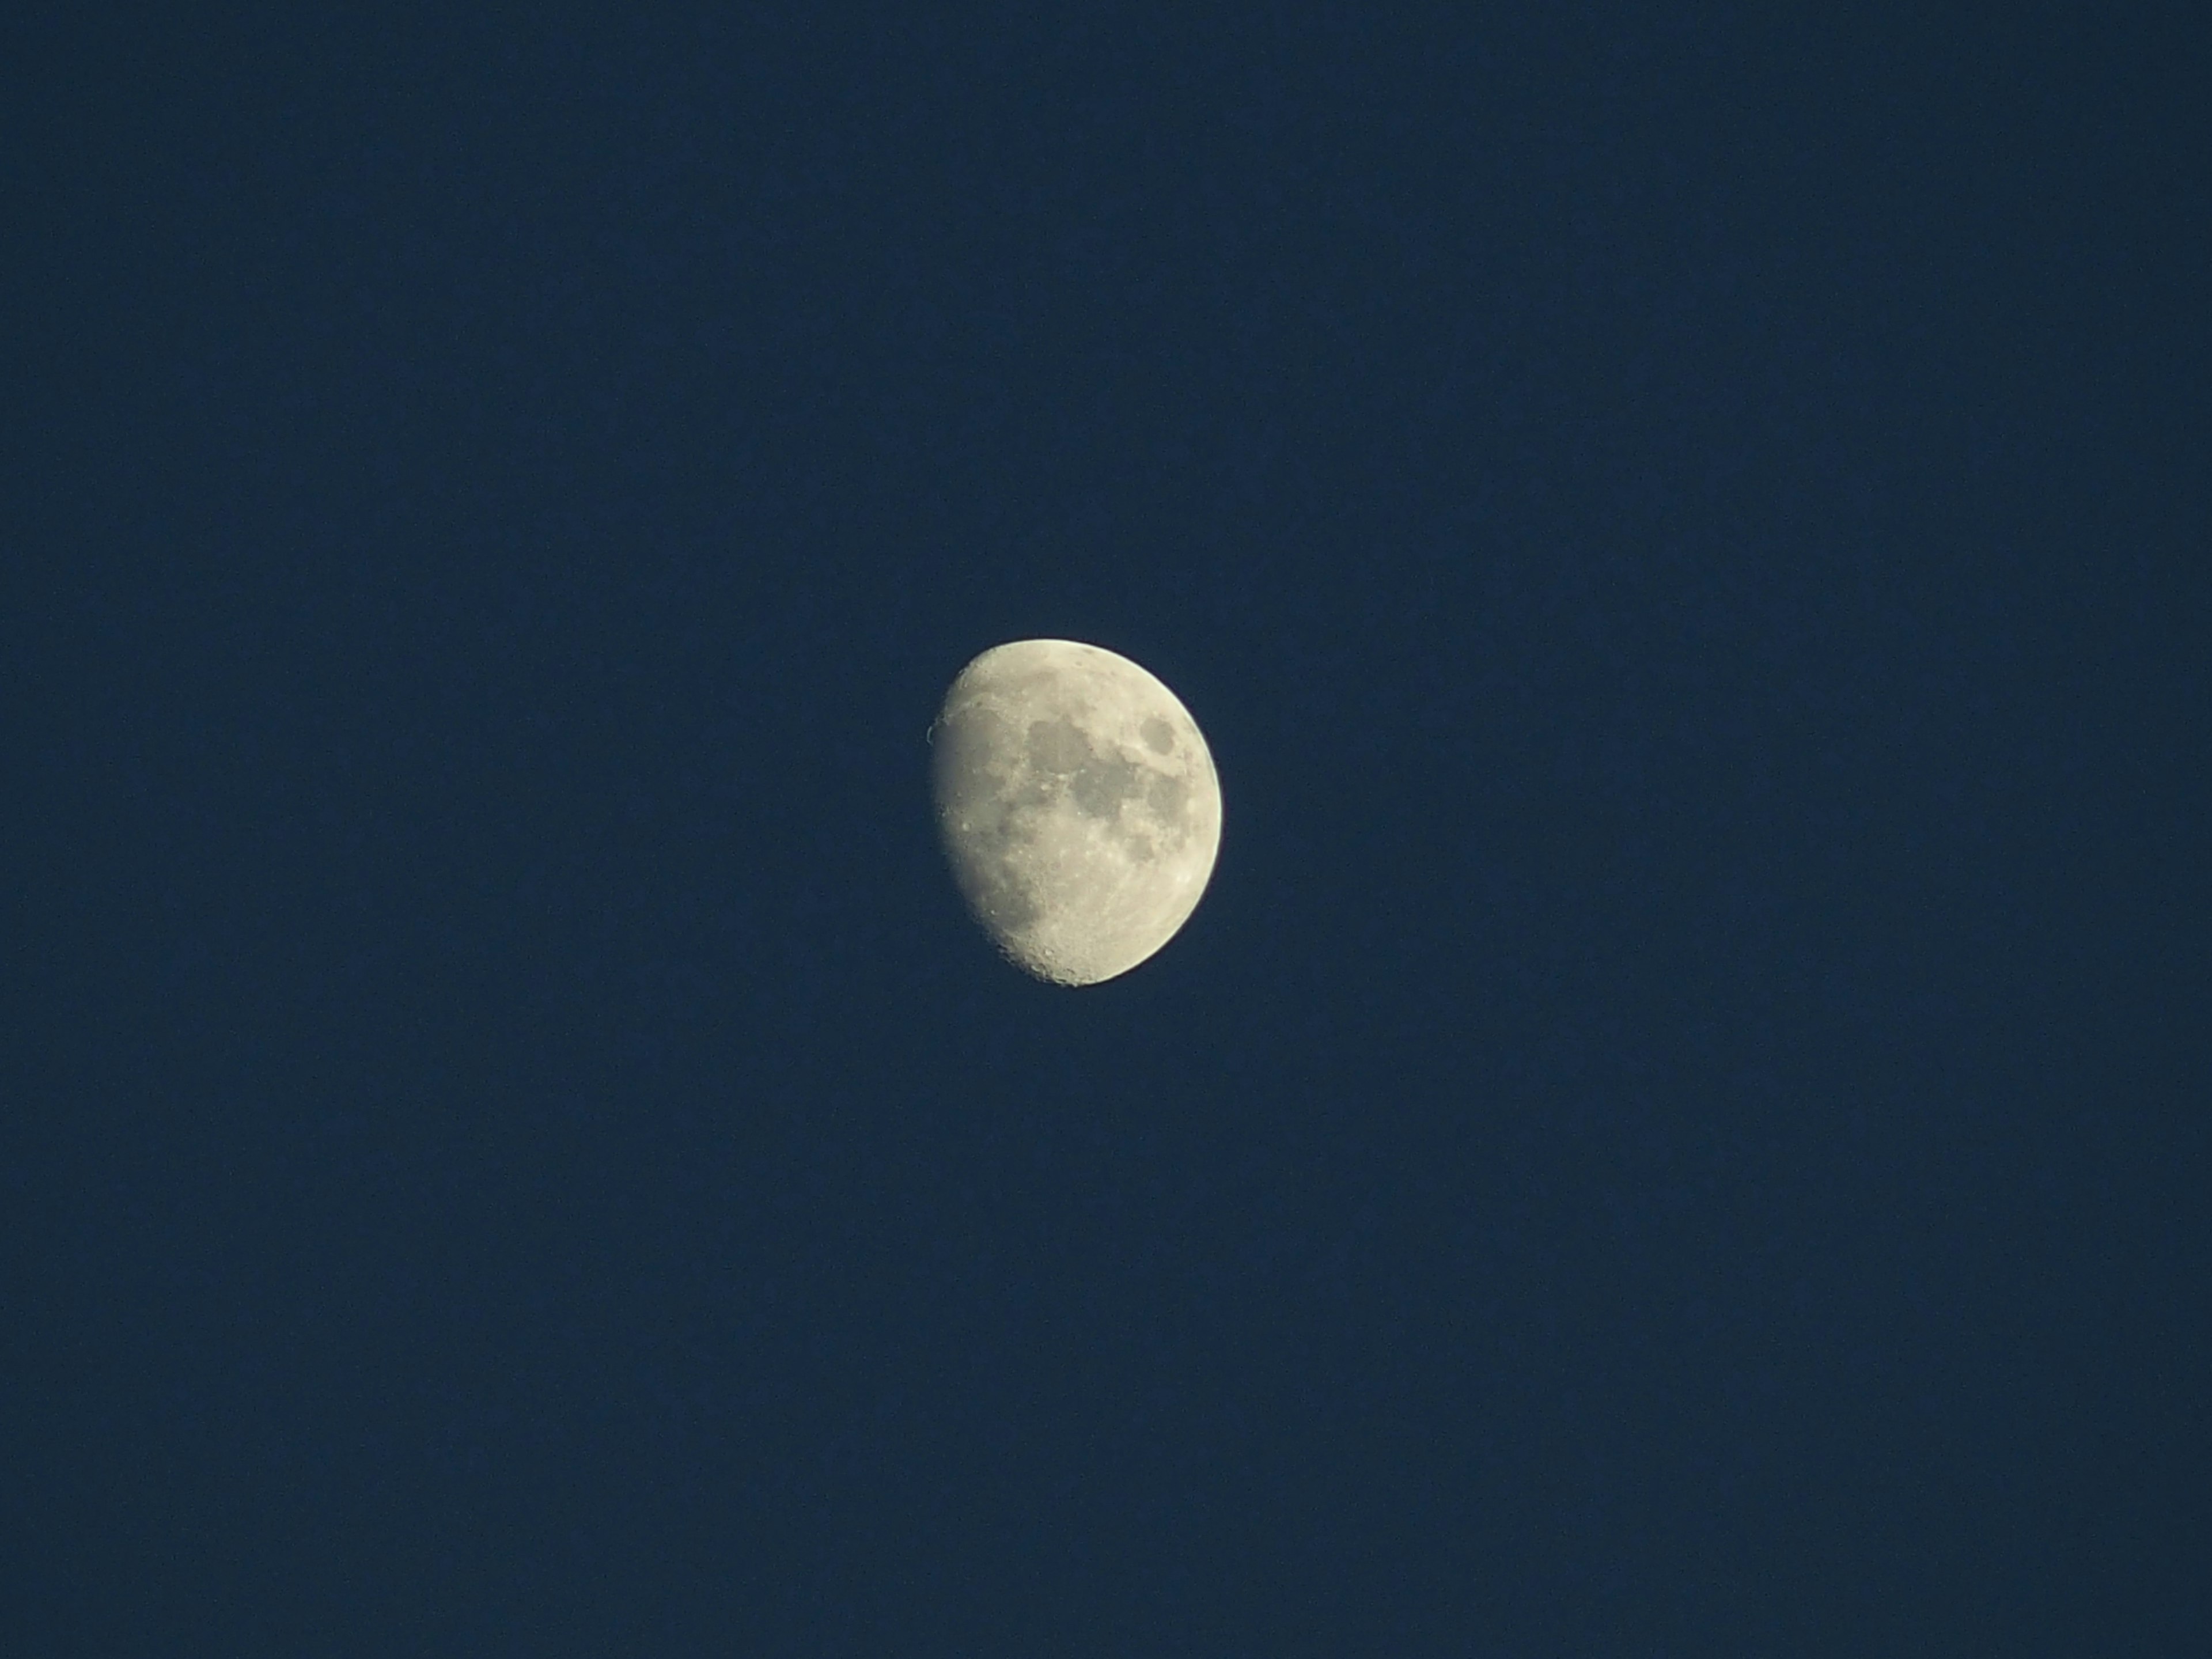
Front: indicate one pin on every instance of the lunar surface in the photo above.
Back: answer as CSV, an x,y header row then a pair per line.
x,y
1078,806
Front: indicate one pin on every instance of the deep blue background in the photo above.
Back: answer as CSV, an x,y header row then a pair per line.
x,y
1676,1129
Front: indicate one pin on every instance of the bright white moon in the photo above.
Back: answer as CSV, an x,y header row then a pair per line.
x,y
1078,806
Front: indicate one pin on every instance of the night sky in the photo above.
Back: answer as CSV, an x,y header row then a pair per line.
x,y
1677,1127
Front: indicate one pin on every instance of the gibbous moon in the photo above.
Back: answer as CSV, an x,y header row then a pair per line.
x,y
1078,806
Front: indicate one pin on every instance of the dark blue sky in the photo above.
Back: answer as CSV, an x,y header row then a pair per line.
x,y
1675,1129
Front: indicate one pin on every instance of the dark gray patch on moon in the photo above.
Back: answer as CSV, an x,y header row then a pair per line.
x,y
1167,797
1099,789
1057,746
1158,736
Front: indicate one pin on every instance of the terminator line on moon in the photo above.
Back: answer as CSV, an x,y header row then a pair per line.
x,y
1078,806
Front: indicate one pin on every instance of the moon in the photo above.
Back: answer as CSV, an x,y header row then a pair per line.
x,y
1078,806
